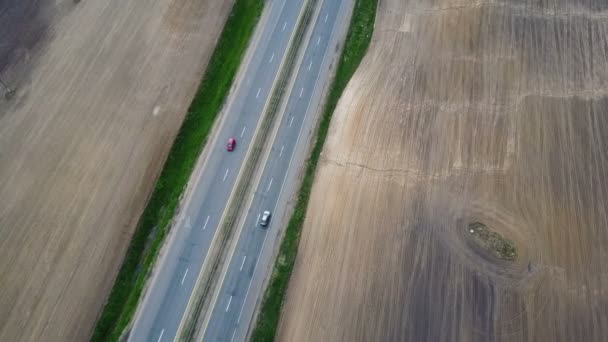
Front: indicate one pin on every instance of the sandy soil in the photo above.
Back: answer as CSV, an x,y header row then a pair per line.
x,y
463,111
102,87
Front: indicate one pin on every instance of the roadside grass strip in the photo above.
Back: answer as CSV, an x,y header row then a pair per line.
x,y
191,138
357,41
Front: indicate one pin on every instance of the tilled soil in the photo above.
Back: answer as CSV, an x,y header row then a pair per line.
x,y
101,90
461,112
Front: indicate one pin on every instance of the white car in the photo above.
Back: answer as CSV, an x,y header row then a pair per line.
x,y
265,218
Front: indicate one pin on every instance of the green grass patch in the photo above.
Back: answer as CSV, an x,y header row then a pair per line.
x,y
494,242
357,41
191,138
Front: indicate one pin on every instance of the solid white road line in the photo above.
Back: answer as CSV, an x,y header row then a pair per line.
x,y
301,91
206,221
319,40
309,65
290,121
229,301
326,17
269,185
184,277
161,335
280,191
242,307
243,131
225,175
284,24
271,58
256,264
243,263
258,94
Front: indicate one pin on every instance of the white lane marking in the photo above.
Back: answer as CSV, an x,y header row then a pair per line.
x,y
243,263
161,335
326,17
232,339
242,307
184,277
301,91
280,191
271,58
309,65
229,301
290,122
258,220
243,131
258,94
206,221
284,24
225,175
258,261
269,185
319,40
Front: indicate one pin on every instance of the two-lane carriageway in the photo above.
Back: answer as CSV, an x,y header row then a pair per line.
x,y
162,309
242,282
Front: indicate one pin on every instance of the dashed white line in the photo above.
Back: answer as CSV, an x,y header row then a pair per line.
x,y
258,220
206,221
284,24
309,65
229,301
243,263
290,122
319,40
281,153
256,266
242,307
269,185
326,17
184,277
258,94
161,335
301,91
225,175
243,131
234,333
271,58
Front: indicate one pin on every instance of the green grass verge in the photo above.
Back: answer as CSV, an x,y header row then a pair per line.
x,y
160,209
357,41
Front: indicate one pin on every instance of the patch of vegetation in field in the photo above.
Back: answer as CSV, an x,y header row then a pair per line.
x,y
357,41
491,240
160,209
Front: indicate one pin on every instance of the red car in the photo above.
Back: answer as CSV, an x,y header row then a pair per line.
x,y
231,144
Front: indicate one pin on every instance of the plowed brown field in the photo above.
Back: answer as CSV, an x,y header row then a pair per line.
x,y
463,111
102,88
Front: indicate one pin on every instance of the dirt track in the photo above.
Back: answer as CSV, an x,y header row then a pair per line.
x,y
102,87
463,111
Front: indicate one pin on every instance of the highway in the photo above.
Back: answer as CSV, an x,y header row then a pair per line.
x,y
162,308
242,282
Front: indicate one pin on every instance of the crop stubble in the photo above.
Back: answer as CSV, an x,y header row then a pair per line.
x,y
463,111
102,88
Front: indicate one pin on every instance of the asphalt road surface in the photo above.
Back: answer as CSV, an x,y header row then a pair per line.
x,y
163,307
234,306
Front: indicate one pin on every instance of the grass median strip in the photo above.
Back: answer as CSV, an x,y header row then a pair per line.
x,y
160,209
357,41
244,183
